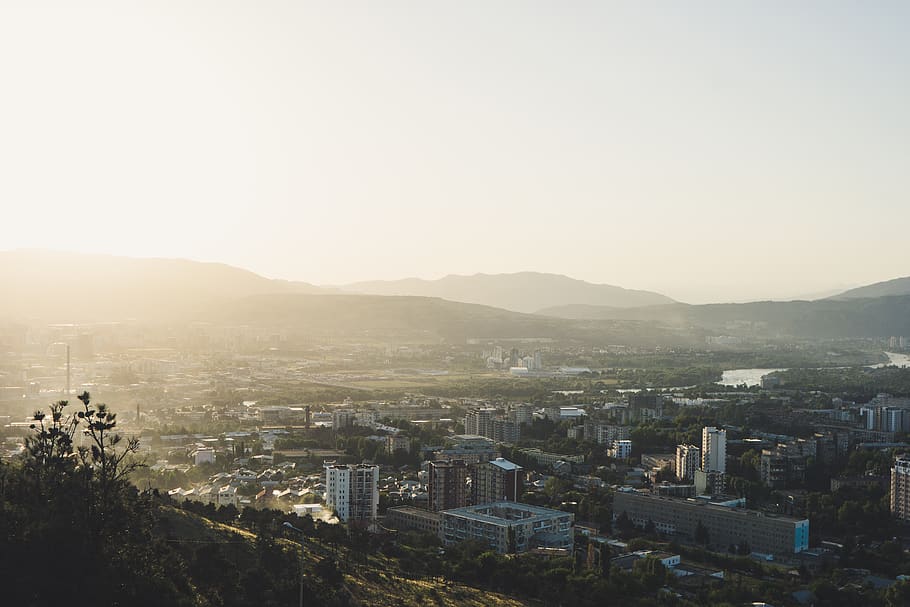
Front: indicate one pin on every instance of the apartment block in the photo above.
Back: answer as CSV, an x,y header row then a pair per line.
x,y
509,527
725,525
352,491
447,484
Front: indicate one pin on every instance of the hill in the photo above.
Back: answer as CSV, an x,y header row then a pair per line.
x,y
521,292
897,286
870,317
73,287
52,287
423,318
335,573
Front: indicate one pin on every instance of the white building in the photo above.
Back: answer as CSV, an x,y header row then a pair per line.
x,y
204,456
713,449
688,458
621,449
352,491
479,422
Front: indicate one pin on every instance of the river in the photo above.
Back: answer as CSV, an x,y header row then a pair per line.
x,y
752,377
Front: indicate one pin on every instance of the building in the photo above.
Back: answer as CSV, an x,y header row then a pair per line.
x,y
480,422
724,526
408,518
543,458
674,490
576,432
471,448
447,485
522,413
352,491
713,449
621,449
343,418
505,431
496,480
203,456
605,434
688,459
710,483
900,488
860,482
782,467
397,442
509,527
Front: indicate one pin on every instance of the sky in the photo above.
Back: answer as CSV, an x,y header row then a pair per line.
x,y
712,151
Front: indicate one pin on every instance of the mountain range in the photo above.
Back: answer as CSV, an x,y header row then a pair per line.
x,y
520,292
827,318
78,288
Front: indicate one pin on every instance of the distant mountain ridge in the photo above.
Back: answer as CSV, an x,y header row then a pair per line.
x,y
896,286
520,292
77,287
826,318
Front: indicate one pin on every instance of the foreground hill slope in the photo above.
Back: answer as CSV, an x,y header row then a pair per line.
x,y
521,291
334,573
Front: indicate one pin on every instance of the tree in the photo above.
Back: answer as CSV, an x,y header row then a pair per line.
x,y
101,461
898,595
701,534
76,503
605,556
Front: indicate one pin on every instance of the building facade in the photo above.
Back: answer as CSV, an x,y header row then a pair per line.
x,y
688,459
900,488
713,449
352,491
408,518
724,526
496,480
621,449
447,485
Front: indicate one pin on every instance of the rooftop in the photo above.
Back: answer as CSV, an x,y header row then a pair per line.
x,y
504,512
505,464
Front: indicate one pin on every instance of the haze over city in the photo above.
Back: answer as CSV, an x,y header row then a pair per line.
x,y
707,151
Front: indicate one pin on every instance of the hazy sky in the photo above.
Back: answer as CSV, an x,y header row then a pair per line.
x,y
710,150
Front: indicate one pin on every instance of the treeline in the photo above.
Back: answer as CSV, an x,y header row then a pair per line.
x,y
856,384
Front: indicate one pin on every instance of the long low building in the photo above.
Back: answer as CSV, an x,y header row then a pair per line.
x,y
725,526
508,526
408,518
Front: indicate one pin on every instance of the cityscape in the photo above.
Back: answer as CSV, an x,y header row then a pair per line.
x,y
508,304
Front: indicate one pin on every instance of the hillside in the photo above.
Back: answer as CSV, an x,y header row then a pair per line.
x,y
72,287
353,578
897,286
426,318
521,292
871,317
